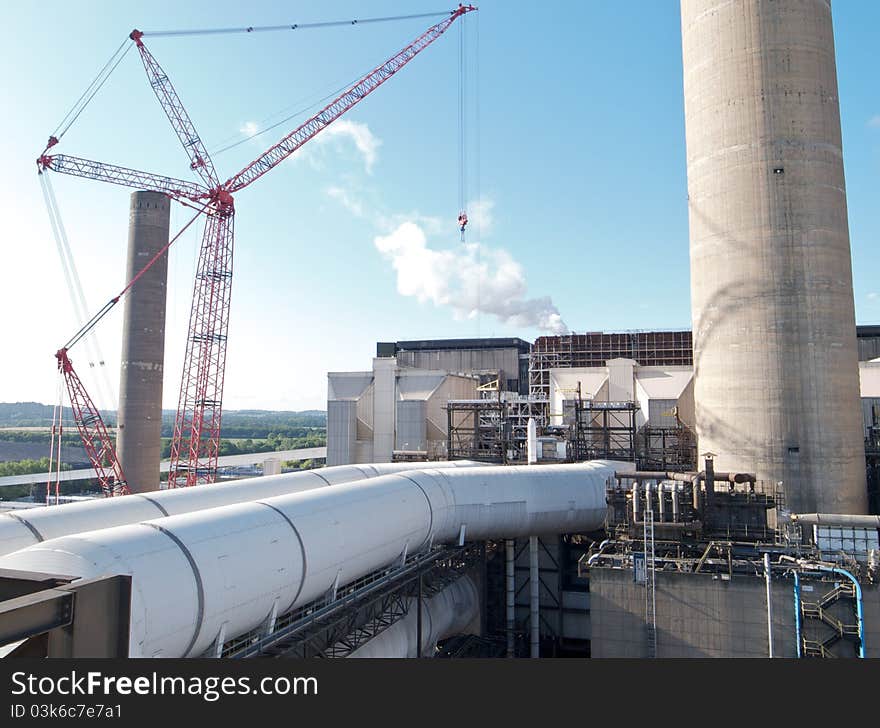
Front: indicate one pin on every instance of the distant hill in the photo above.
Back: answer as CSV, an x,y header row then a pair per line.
x,y
27,414
236,423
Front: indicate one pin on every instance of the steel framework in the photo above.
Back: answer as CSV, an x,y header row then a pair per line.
x,y
604,430
492,430
667,448
336,625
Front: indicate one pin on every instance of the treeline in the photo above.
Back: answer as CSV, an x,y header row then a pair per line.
x,y
237,424
273,443
26,467
69,437
258,426
38,490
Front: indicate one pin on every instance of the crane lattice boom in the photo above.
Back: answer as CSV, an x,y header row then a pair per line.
x,y
92,431
195,444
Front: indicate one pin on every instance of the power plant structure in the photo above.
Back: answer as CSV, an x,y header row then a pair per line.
x,y
139,428
775,363
704,493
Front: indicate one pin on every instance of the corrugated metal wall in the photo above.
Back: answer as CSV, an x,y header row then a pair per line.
x,y
466,360
341,431
411,425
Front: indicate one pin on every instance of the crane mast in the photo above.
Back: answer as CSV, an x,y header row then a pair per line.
x,y
195,445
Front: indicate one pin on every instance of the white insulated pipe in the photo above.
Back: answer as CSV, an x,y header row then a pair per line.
x,y
448,612
769,586
534,599
21,529
836,519
225,570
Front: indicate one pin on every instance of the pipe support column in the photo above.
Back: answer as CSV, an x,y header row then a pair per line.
x,y
535,598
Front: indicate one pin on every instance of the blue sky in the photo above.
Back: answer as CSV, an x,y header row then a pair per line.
x,y
575,115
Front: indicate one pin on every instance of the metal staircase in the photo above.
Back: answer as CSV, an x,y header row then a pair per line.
x,y
818,612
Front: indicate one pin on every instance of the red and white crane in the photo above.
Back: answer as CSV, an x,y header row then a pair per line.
x,y
195,445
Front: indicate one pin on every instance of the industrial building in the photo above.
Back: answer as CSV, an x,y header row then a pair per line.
x,y
398,410
587,406
391,409
503,360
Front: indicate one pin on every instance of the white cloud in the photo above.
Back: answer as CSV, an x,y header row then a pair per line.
x,y
364,140
469,278
431,224
873,296
249,128
347,200
874,121
480,218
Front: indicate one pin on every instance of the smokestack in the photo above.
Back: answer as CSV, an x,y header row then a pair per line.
x,y
139,440
776,368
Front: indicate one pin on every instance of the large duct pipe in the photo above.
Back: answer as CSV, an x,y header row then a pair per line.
x,y
448,612
139,432
21,529
641,475
776,379
223,571
834,519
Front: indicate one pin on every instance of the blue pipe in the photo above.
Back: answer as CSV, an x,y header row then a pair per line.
x,y
797,611
859,613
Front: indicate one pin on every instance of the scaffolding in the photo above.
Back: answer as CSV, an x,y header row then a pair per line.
x,y
493,430
476,429
667,448
594,349
604,430
496,431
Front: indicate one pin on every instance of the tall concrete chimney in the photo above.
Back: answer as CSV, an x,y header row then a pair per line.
x,y
776,367
139,438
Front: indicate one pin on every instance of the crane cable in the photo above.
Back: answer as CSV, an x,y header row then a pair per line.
x,y
87,95
75,290
289,26
462,137
463,122
480,212
235,140
90,324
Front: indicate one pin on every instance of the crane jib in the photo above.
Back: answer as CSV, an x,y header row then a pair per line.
x,y
196,440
